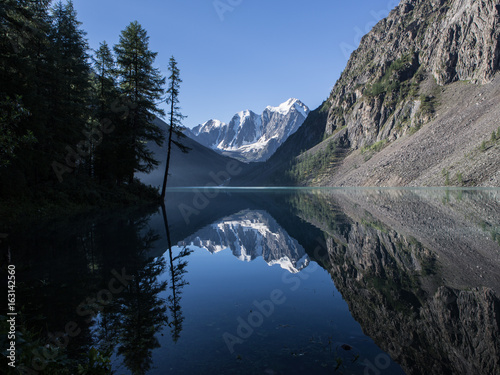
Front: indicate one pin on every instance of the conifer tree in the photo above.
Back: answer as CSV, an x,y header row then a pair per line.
x,y
69,86
176,117
23,30
106,94
53,102
142,85
104,70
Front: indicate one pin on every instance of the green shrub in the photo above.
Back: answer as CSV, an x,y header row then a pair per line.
x,y
427,104
446,175
390,82
312,165
376,147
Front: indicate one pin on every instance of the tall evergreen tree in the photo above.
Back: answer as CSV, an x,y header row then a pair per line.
x,y
70,88
106,94
23,45
142,85
52,104
104,68
176,117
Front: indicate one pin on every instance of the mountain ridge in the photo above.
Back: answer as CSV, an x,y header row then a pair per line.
x,y
251,234
251,137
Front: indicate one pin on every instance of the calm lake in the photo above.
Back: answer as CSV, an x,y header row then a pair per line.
x,y
282,281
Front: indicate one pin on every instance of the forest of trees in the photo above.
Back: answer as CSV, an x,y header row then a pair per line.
x,y
71,117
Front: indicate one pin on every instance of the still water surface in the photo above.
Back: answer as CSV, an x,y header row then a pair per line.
x,y
287,281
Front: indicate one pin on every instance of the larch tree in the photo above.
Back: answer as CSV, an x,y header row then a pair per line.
x,y
70,89
175,118
141,85
106,164
23,29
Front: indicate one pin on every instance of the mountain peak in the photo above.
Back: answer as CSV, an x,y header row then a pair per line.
x,y
249,235
213,124
252,137
287,106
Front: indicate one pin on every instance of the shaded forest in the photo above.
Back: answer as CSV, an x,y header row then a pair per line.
x,y
74,123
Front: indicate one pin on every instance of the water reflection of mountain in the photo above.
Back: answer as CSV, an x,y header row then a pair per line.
x,y
250,234
419,272
418,269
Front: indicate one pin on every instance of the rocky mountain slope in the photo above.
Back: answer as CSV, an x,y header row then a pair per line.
x,y
443,41
249,136
455,148
425,75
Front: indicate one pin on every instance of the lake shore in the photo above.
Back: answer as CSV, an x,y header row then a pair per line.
x,y
74,197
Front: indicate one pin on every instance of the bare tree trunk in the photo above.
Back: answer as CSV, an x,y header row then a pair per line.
x,y
171,131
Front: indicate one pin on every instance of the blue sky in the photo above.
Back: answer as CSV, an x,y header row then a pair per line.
x,y
241,54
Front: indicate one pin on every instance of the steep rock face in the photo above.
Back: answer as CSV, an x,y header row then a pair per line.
x,y
454,148
252,137
208,134
389,83
415,106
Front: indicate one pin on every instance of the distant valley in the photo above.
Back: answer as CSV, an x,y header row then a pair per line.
x,y
198,167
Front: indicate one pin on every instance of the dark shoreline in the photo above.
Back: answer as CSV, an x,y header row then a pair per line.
x,y
54,201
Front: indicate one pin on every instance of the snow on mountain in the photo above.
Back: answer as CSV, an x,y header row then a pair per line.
x,y
249,235
286,107
209,133
252,137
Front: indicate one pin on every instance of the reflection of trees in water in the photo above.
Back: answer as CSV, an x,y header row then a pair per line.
x,y
129,324
177,270
142,314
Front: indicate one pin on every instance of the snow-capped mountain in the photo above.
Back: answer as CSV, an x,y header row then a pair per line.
x,y
252,137
249,235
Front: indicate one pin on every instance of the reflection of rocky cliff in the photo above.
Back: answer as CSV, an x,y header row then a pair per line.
x,y
251,234
397,270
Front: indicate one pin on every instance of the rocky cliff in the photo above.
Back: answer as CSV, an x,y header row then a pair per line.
x,y
388,86
426,63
